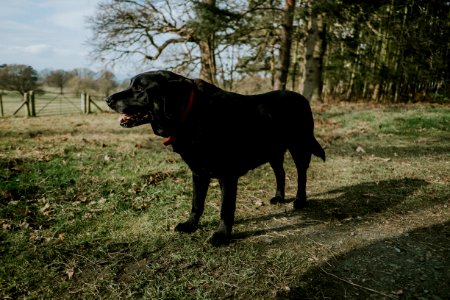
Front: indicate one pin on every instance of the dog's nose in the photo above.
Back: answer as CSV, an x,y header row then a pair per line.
x,y
109,100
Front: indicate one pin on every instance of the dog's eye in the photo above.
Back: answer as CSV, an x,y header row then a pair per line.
x,y
138,88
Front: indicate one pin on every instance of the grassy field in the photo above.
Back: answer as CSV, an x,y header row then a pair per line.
x,y
87,210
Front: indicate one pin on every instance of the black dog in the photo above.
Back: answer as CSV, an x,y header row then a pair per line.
x,y
222,135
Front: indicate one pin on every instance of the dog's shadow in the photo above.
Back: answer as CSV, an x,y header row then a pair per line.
x,y
412,265
352,202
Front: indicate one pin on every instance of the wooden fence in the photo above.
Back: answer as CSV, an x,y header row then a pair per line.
x,y
33,105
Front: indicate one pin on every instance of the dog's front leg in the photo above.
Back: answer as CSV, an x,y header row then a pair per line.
x,y
200,188
228,206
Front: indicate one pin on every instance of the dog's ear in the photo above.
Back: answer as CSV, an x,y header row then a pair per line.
x,y
176,95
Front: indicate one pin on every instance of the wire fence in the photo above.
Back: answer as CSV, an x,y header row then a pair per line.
x,y
50,103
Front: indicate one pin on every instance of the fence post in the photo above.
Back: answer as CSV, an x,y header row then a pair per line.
x,y
26,100
88,104
1,105
95,104
83,102
32,104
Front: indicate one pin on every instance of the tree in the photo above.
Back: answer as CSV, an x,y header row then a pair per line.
x,y
394,50
20,78
204,29
259,39
82,81
285,45
149,29
106,82
59,79
376,50
315,45
145,29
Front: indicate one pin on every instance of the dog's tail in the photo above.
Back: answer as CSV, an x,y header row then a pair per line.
x,y
317,149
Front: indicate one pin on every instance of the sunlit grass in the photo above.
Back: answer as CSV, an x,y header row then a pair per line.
x,y
87,209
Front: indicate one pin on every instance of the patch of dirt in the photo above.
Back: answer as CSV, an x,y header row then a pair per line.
x,y
133,269
415,265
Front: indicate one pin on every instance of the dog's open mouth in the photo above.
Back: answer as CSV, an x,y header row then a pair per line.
x,y
132,120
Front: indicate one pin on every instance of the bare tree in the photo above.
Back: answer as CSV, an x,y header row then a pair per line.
x,y
106,82
82,81
147,29
59,79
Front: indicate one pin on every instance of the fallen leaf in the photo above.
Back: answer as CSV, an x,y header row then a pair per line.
x,y
82,198
360,149
398,292
70,272
46,209
259,203
35,236
24,225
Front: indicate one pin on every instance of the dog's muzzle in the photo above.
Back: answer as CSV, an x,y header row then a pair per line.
x,y
110,101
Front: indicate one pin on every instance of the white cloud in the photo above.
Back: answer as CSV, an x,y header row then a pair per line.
x,y
46,33
42,56
73,20
35,49
71,14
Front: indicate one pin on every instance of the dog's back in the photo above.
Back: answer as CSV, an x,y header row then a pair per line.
x,y
233,133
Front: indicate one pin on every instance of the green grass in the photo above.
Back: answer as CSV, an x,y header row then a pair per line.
x,y
87,210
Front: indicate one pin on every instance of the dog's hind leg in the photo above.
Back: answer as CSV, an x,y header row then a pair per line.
x,y
277,165
200,189
302,158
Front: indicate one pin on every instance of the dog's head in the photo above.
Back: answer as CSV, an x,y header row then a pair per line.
x,y
157,97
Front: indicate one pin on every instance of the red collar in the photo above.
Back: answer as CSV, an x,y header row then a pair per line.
x,y
183,118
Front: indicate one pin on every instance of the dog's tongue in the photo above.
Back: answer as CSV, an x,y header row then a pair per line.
x,y
133,120
127,121
124,118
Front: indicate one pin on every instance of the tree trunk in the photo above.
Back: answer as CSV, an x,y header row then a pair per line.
x,y
312,81
207,52
298,55
286,42
208,60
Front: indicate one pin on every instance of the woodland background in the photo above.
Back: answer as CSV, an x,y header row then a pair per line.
x,y
380,51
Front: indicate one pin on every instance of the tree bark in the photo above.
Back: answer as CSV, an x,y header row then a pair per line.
x,y
207,51
315,45
286,42
207,60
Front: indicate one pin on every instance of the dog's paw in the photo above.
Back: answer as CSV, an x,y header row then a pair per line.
x,y
276,200
219,238
300,203
186,227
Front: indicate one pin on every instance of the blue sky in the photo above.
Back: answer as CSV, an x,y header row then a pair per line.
x,y
48,34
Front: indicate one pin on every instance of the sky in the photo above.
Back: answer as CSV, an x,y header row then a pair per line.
x,y
48,34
